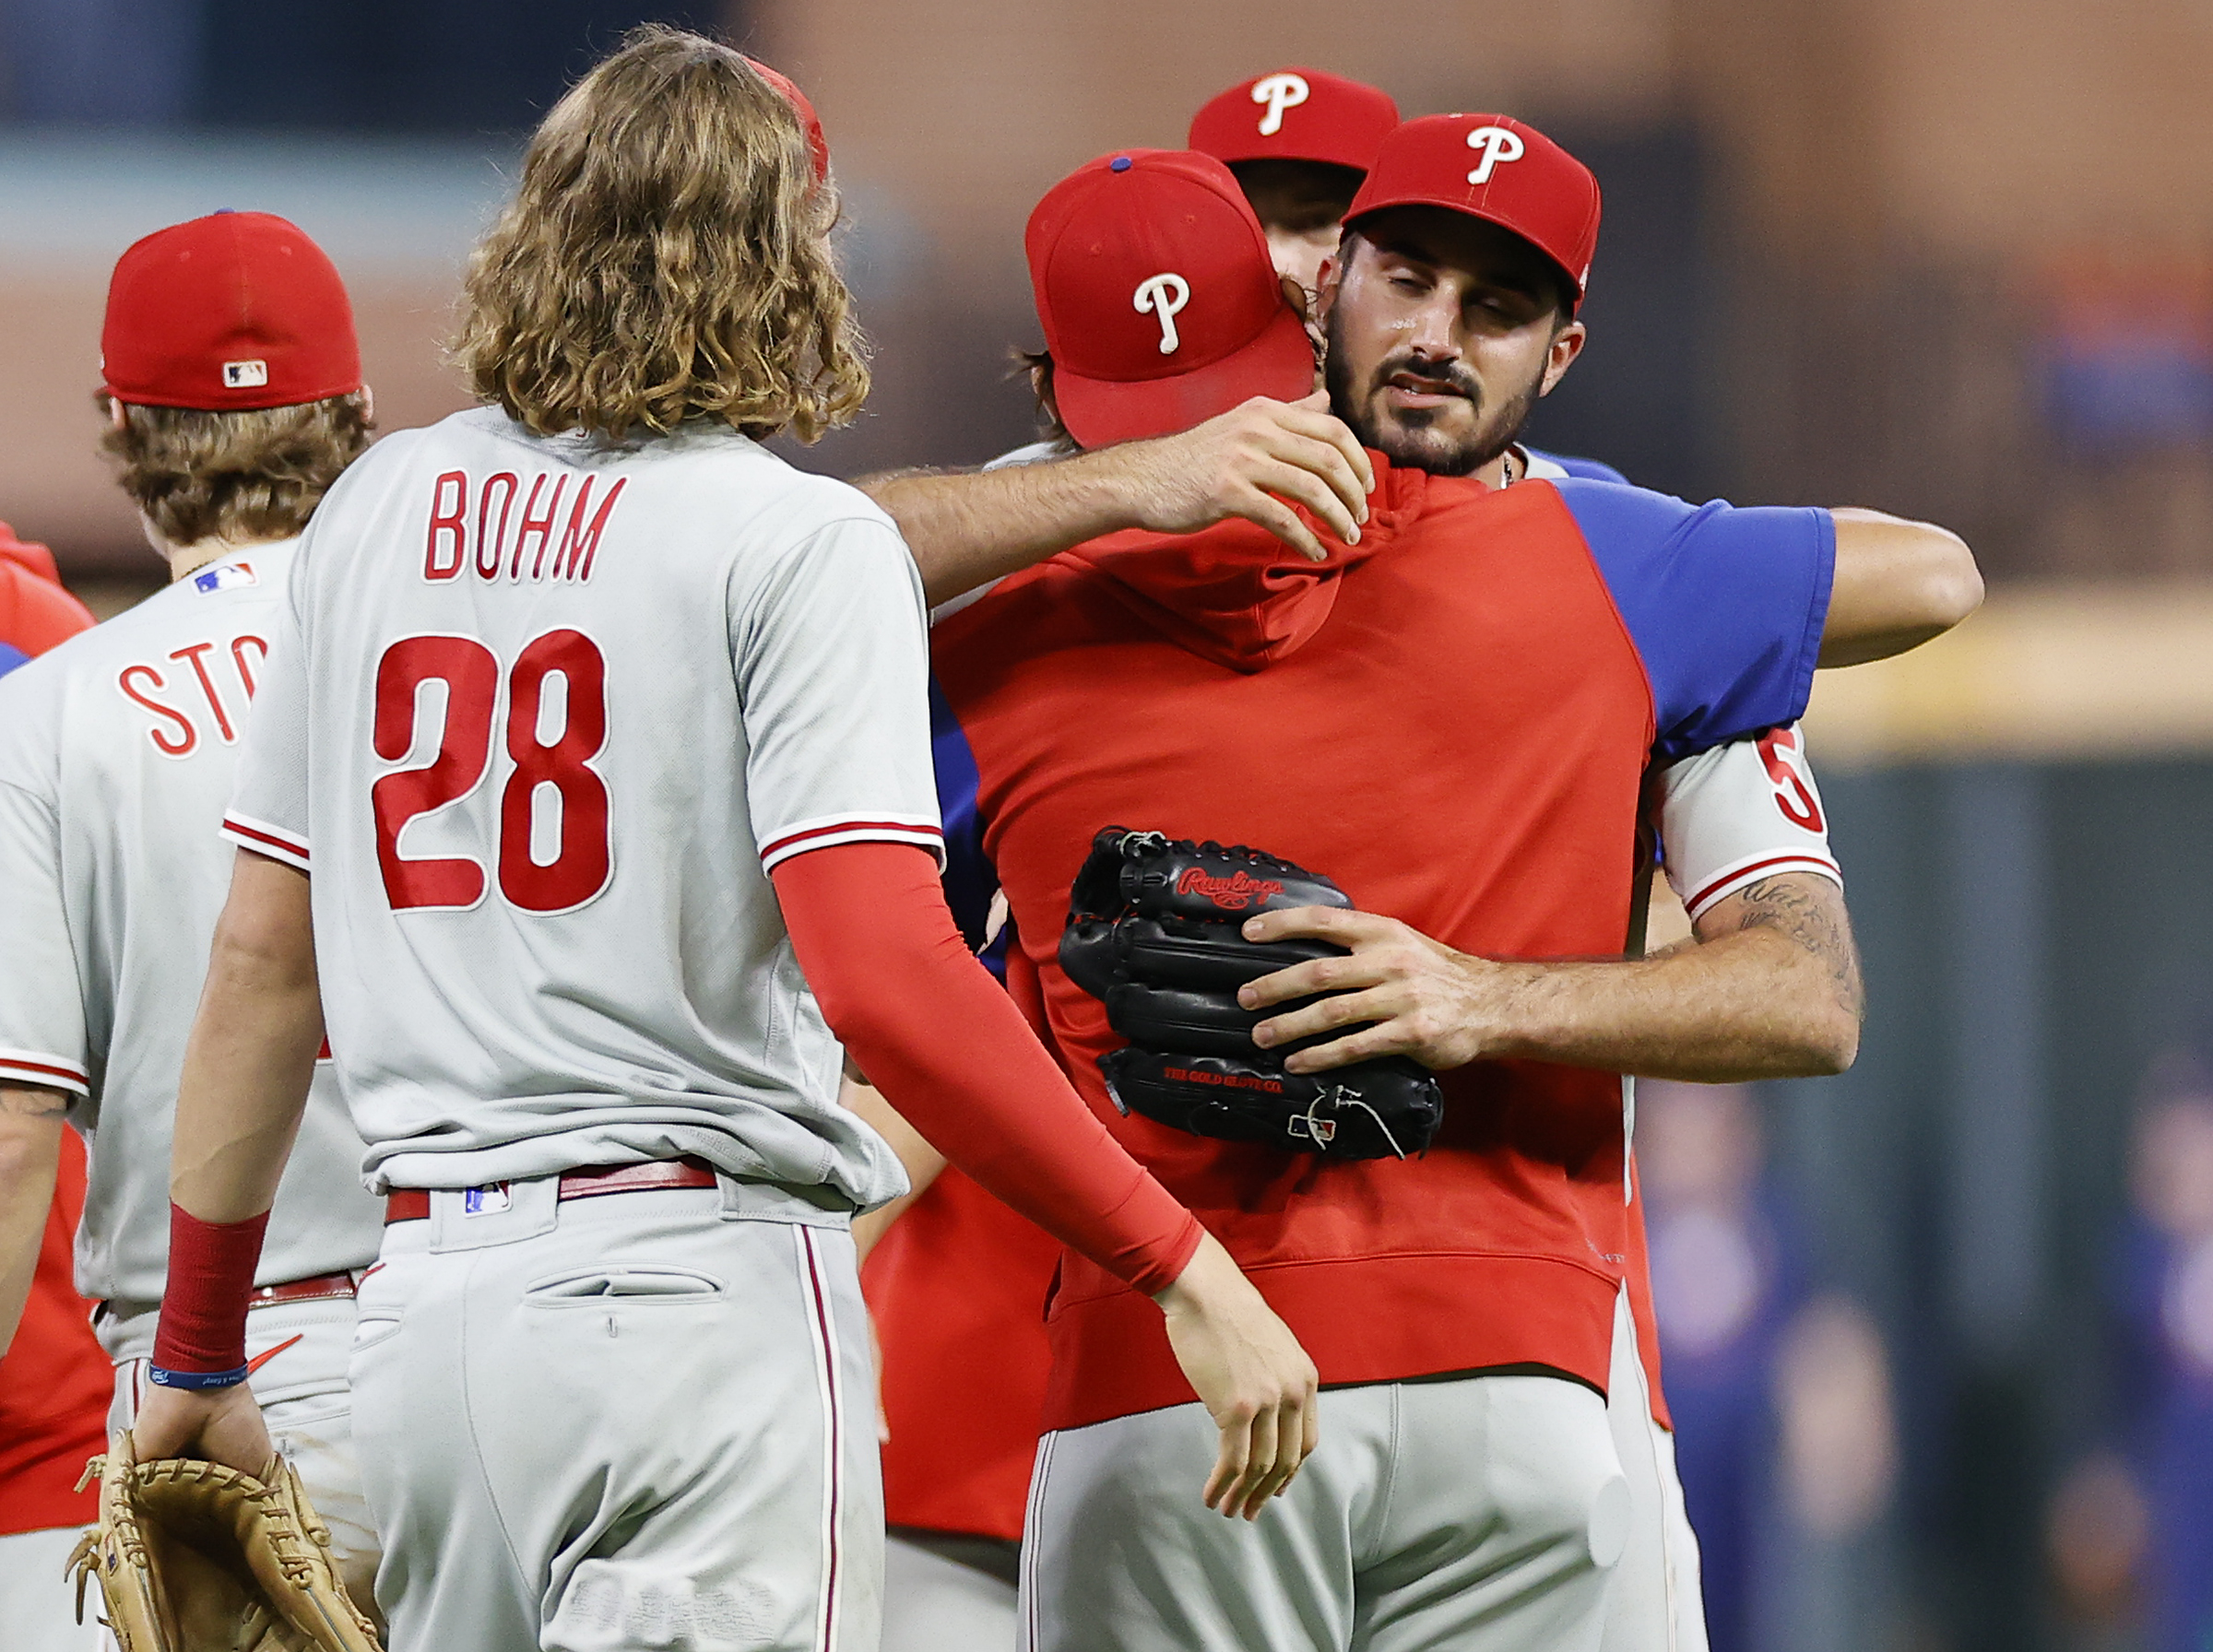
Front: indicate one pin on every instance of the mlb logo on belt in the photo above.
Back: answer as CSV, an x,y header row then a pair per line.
x,y
245,375
485,1202
227,577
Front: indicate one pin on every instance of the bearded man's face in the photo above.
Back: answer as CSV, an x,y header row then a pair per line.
x,y
1443,331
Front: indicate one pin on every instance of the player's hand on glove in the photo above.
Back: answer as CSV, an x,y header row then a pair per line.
x,y
1403,993
220,1425
1256,1381
194,1554
1257,461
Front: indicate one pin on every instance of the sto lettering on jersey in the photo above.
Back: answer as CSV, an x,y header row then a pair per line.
x,y
496,522
196,694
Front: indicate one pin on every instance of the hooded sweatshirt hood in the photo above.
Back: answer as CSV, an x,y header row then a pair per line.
x,y
1236,595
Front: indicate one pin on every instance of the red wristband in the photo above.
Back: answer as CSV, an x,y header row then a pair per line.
x,y
211,1263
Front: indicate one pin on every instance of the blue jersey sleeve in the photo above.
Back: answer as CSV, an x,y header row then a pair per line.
x,y
970,879
1726,606
1590,470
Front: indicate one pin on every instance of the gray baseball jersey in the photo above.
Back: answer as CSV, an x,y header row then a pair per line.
x,y
117,754
542,716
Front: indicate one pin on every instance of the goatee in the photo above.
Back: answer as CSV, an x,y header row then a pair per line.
x,y
1419,446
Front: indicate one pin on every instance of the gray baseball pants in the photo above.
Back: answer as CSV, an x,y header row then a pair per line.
x,y
1481,1514
611,1424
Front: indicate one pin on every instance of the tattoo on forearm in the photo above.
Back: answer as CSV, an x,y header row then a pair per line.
x,y
1813,919
28,1103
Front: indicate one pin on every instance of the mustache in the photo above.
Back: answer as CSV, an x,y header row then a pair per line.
x,y
1447,377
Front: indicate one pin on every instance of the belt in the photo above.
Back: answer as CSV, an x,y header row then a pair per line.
x,y
413,1204
323,1286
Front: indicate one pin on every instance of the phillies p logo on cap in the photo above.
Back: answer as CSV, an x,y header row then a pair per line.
x,y
1279,92
1495,143
1338,123
1495,168
1160,304
1165,296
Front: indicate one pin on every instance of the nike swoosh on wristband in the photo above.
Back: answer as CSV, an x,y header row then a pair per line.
x,y
262,1358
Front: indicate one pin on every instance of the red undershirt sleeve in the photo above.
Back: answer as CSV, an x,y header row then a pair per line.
x,y
948,1049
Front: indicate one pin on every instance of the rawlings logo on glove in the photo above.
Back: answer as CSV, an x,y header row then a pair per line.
x,y
1233,893
1147,935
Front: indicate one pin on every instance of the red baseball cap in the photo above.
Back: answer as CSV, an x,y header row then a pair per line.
x,y
817,145
1297,115
1495,168
232,311
1160,304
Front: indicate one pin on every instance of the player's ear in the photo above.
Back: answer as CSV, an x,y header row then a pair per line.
x,y
119,417
1306,307
1326,284
368,406
1566,345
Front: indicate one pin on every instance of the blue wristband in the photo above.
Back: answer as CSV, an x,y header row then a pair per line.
x,y
197,1380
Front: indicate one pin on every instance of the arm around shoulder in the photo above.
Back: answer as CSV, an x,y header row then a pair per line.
x,y
1897,585
1257,462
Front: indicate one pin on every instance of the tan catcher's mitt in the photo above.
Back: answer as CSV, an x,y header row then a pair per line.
x,y
195,1557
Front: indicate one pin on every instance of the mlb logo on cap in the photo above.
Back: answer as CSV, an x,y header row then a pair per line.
x,y
245,375
1160,304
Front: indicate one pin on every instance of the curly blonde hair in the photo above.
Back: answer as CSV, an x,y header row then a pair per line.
x,y
255,474
666,258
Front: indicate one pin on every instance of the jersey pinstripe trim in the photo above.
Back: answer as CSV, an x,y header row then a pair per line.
x,y
824,1326
1734,877
854,829
265,838
38,1067
1033,1522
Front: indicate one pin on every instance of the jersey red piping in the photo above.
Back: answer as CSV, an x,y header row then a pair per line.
x,y
289,852
907,830
1811,863
71,1075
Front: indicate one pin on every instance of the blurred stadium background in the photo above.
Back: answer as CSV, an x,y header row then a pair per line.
x,y
1940,1331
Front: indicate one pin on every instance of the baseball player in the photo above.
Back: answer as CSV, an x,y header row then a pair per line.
x,y
1299,143
602,731
1012,668
958,1443
54,1377
233,388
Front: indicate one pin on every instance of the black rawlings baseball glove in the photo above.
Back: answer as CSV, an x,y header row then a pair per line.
x,y
1153,930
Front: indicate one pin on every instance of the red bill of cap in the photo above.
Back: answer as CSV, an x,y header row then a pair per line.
x,y
1297,115
1160,304
232,311
1495,168
817,145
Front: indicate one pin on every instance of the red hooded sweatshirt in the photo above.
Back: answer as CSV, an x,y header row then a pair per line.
x,y
1452,720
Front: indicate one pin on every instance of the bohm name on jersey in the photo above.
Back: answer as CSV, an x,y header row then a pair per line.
x,y
470,524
